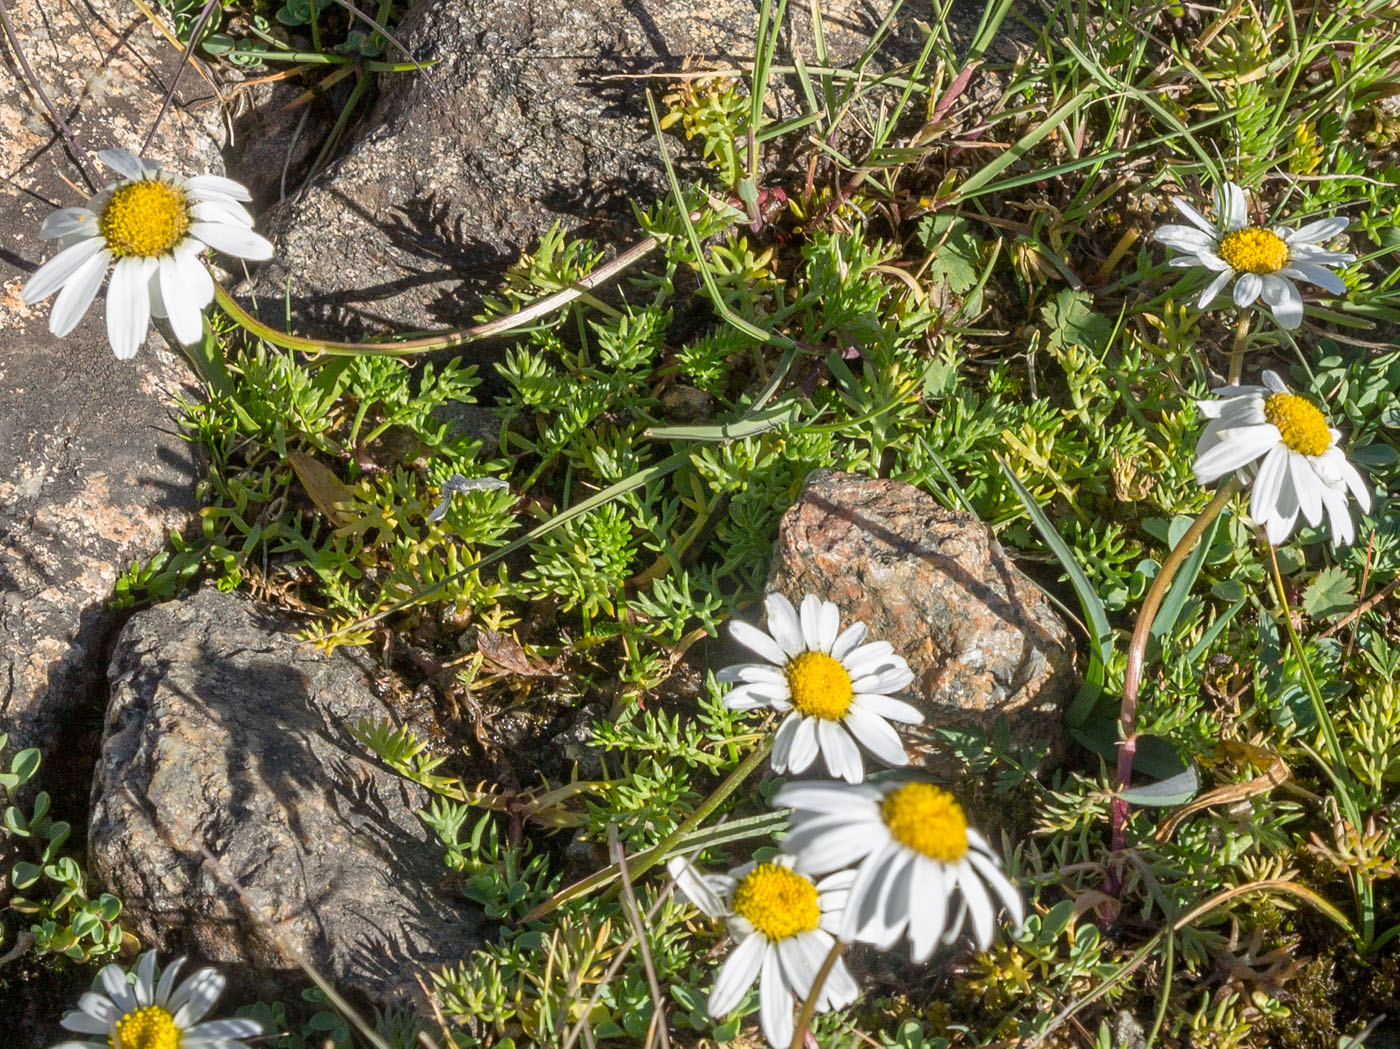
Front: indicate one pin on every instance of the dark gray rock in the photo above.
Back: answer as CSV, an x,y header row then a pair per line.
x,y
93,474
981,638
226,733
522,123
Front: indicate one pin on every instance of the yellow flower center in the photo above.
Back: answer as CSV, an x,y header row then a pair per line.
x,y
1254,250
144,218
148,1028
928,820
1302,426
819,685
778,902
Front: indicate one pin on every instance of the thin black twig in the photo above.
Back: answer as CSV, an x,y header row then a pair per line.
x,y
94,176
195,35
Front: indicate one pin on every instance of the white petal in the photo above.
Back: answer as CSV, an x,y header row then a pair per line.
x,y
53,274
888,707
840,990
222,210
811,617
692,885
202,185
1233,208
84,1023
1274,384
829,625
1195,217
875,735
1281,296
167,981
185,319
783,624
863,904
79,1045
885,923
1306,487
1354,481
1319,231
1338,516
736,976
1228,456
67,221
823,846
114,982
1214,288
840,751
992,874
833,798
1315,274
129,305
774,1002
847,641
893,677
146,979
218,1030
757,641
195,997
1247,289
76,297
1264,498
231,239
803,750
782,741
125,164
929,911
1185,238
747,697
979,905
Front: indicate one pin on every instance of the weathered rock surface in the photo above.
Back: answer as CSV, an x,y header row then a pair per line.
x,y
93,474
517,127
980,637
226,733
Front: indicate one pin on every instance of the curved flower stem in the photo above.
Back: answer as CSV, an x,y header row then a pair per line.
x,y
1237,349
1137,648
809,1007
446,340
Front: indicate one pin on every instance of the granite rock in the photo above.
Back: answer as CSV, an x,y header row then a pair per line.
x,y
93,473
228,758
981,638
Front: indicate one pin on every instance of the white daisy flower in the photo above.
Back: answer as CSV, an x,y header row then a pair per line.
x,y
835,687
1266,261
1281,443
783,925
153,226
914,852
156,1015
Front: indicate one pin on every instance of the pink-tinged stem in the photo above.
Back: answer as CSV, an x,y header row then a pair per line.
x,y
1137,651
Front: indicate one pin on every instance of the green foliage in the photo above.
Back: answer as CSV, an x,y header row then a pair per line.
x,y
49,889
961,295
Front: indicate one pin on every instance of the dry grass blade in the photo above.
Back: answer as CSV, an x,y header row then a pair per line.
x,y
656,1030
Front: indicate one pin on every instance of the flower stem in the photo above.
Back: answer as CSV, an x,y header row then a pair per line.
x,y
446,340
1237,349
809,1007
1137,648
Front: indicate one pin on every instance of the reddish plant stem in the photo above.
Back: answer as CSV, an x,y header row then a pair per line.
x,y
1137,652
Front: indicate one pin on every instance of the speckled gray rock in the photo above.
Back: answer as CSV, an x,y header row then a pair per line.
x,y
530,127
225,732
981,638
93,474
